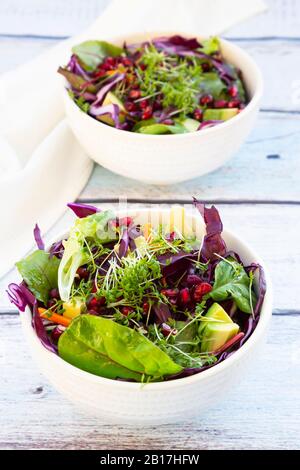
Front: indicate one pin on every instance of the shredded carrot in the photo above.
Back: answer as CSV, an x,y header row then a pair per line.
x,y
55,317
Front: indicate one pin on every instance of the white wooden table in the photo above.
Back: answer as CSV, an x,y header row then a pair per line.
x,y
258,194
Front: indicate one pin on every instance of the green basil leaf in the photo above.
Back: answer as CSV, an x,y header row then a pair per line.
x,y
92,53
232,282
105,348
39,271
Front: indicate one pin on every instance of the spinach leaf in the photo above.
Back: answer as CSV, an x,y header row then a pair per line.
x,y
162,129
105,348
39,271
232,282
92,53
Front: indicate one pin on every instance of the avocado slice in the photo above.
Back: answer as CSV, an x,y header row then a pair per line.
x,y
190,124
222,114
111,98
215,335
217,329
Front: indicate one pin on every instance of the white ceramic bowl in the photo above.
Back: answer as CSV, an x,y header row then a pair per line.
x,y
166,159
164,402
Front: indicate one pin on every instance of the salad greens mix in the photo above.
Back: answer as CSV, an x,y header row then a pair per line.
x,y
137,302
169,85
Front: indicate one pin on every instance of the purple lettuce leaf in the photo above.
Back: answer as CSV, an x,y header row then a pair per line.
x,y
173,263
82,210
38,237
20,296
112,110
39,328
75,67
56,249
124,244
208,124
213,243
161,312
105,89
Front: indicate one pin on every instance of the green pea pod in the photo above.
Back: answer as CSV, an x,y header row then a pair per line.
x,y
110,350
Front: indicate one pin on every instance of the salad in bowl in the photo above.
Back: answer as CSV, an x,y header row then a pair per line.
x,y
164,85
141,302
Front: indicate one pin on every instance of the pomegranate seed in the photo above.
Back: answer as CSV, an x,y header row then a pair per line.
x,y
167,330
83,272
234,104
157,105
147,113
205,100
233,91
144,104
201,290
130,106
193,279
184,296
54,294
127,310
143,66
110,61
205,67
145,307
220,104
198,114
57,331
127,62
134,94
94,288
125,221
92,303
170,292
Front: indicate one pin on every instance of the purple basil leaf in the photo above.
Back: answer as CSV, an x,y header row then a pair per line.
x,y
82,210
38,237
213,243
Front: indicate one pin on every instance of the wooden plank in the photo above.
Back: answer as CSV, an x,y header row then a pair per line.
x,y
282,87
251,175
271,230
56,18
261,413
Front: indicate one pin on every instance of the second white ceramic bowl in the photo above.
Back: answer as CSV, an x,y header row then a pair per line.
x,y
163,402
166,159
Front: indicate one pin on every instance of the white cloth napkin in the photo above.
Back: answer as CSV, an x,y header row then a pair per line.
x,y
41,165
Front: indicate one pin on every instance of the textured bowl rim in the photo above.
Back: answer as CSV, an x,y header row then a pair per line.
x,y
239,52
258,333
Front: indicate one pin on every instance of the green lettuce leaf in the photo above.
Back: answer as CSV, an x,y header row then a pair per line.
x,y
39,271
76,253
92,53
232,282
105,348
